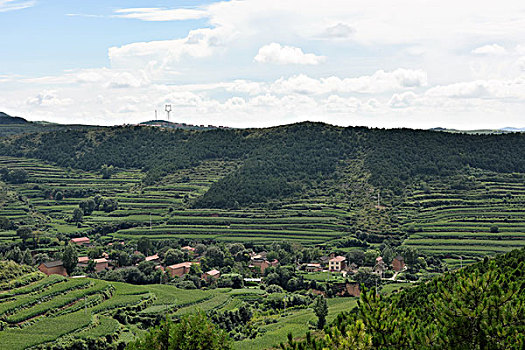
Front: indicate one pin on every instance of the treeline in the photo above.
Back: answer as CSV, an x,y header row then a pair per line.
x,y
275,162
479,307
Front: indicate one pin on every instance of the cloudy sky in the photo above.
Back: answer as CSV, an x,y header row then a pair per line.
x,y
381,63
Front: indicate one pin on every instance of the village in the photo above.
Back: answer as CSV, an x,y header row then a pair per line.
x,y
201,266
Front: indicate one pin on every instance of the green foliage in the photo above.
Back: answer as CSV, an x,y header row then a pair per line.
x,y
70,258
24,233
16,176
10,270
193,332
78,215
321,311
479,307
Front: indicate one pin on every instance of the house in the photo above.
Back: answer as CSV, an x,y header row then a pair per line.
x,y
215,274
324,260
155,258
83,241
337,264
188,248
313,267
262,264
398,263
53,268
101,264
380,266
82,261
179,269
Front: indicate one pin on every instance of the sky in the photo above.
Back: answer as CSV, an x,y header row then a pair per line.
x,y
259,63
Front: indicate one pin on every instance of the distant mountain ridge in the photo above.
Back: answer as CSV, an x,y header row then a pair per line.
x,y
480,131
7,119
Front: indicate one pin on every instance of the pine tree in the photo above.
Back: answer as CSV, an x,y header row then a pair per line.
x,y
321,311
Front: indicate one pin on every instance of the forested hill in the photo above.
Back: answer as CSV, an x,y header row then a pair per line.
x,y
7,119
276,162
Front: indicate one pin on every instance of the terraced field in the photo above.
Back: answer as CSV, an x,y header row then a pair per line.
x,y
56,309
449,221
161,211
486,218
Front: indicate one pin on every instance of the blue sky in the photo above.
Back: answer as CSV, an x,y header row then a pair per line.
x,y
266,62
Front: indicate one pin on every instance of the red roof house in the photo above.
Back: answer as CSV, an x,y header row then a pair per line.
x,y
80,241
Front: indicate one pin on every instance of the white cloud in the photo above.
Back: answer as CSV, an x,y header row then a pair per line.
x,y
378,82
164,53
12,5
277,54
338,31
493,49
48,98
402,100
155,14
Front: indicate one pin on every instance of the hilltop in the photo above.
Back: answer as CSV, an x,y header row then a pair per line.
x,y
7,119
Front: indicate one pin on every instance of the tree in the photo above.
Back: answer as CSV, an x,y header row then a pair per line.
x,y
144,245
366,276
78,215
173,256
87,206
193,332
17,176
370,257
59,196
321,311
5,224
388,255
24,233
494,229
123,259
70,258
214,257
356,256
107,171
14,254
27,259
41,258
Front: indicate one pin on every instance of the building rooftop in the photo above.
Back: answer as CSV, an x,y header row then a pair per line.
x,y
152,257
80,240
338,258
213,272
55,263
183,264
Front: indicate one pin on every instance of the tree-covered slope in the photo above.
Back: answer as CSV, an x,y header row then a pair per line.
x,y
278,162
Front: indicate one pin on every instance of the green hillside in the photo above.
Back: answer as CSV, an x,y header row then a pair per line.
x,y
452,195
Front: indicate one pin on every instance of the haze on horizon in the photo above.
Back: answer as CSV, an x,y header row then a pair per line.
x,y
257,63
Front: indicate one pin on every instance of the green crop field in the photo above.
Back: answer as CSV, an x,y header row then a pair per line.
x,y
56,309
486,217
